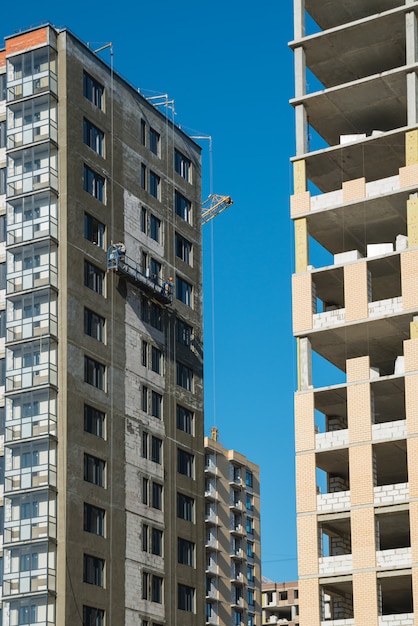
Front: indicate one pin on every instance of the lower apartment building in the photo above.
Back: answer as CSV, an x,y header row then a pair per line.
x,y
280,603
102,508
233,556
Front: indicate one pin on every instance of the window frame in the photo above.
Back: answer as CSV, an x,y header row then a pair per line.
x,y
93,137
93,570
94,470
93,90
94,184
94,421
94,519
185,417
94,373
94,325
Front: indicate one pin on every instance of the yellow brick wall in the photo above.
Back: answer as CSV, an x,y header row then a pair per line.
x,y
300,203
309,614
302,302
413,525
365,599
307,545
409,279
411,147
412,456
413,330
410,351
358,369
299,176
305,483
359,413
412,222
354,189
301,245
355,291
408,176
304,422
415,589
411,404
361,475
363,542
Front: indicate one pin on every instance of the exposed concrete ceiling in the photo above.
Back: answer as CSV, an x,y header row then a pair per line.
x,y
328,13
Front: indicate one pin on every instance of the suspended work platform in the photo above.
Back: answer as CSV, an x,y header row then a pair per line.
x,y
117,261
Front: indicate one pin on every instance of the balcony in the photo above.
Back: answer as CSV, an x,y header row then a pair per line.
x,y
394,559
331,565
29,582
333,502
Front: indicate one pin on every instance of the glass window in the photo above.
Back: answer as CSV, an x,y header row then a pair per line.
x,y
2,180
156,448
184,420
185,463
93,616
249,478
94,470
157,589
2,134
3,83
144,445
94,230
154,141
249,526
184,376
157,496
183,249
93,90
185,598
145,399
94,325
94,373
94,421
182,207
182,165
184,291
185,507
94,183
93,137
143,180
185,550
156,404
154,184
155,228
250,549
184,333
94,278
145,487
145,530
143,132
156,359
157,542
156,316
94,519
93,570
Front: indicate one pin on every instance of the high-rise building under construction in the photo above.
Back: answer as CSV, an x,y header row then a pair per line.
x,y
101,346
355,310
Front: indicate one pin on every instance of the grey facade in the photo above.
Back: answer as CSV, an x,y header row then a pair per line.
x,y
103,494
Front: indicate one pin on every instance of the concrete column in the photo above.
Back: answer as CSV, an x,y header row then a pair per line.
x,y
411,58
299,18
305,363
301,129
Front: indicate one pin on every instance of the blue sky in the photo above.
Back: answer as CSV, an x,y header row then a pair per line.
x,y
230,73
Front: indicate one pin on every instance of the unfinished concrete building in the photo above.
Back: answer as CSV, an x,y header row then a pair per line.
x,y
280,603
233,555
355,310
101,348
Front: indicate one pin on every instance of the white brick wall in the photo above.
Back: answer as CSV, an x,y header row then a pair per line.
x,y
382,308
389,494
401,619
328,318
389,430
331,502
397,557
329,565
332,439
339,622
